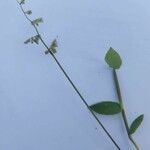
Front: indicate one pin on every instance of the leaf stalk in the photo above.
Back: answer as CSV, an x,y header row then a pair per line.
x,y
118,90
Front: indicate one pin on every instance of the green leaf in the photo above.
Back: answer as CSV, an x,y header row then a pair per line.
x,y
29,12
37,21
113,59
106,108
135,124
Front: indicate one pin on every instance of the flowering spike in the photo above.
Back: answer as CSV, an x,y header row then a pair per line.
x,y
29,12
37,21
34,39
52,48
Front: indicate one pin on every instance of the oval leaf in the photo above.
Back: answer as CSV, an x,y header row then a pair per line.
x,y
106,108
136,123
113,59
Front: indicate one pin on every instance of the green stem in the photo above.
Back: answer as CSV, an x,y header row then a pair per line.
x,y
123,109
70,81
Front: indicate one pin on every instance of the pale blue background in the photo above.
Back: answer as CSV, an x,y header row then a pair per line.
x,y
39,110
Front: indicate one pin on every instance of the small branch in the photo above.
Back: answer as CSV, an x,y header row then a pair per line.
x,y
69,79
123,109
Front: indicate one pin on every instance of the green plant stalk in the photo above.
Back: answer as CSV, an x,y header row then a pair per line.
x,y
123,109
69,79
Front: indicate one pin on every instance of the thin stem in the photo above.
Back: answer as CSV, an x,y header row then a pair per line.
x,y
69,79
123,109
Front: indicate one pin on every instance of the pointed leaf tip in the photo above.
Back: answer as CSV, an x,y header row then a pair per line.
x,y
135,124
113,59
106,108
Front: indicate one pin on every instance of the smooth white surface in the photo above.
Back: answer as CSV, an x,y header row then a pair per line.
x,y
39,110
